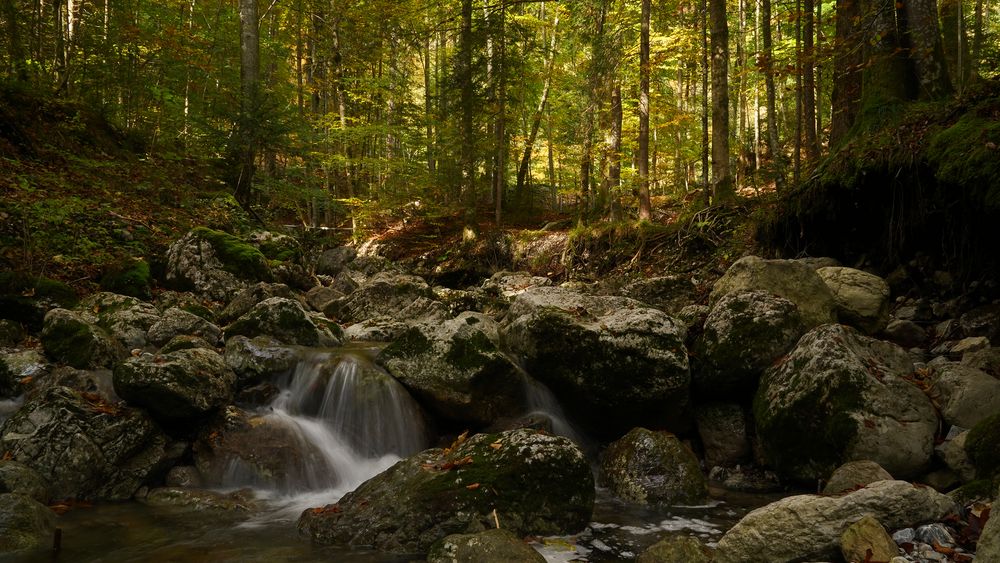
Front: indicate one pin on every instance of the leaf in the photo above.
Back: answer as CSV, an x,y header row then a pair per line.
x,y
472,487
328,509
496,445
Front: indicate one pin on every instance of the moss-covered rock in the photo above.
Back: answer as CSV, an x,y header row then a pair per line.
x,y
130,277
724,432
201,500
276,246
676,549
384,294
73,339
613,363
258,359
178,322
184,342
85,447
840,396
11,332
649,467
19,478
176,388
126,318
532,483
26,299
862,299
286,321
983,446
25,525
492,546
456,369
245,300
214,264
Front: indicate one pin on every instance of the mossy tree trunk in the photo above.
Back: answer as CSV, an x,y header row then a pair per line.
x,y
721,176
886,78
926,51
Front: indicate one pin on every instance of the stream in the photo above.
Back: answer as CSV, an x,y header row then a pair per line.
x,y
350,421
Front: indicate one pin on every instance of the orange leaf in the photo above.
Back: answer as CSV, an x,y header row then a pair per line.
x,y
472,487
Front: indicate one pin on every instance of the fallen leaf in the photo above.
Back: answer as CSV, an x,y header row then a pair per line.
x,y
472,487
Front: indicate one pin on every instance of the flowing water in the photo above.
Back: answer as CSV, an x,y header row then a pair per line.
x,y
348,420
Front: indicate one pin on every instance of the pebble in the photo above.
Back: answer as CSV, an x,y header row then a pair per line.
x,y
906,535
935,534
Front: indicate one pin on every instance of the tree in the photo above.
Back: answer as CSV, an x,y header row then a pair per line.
x,y
848,59
925,49
645,209
249,100
536,119
722,183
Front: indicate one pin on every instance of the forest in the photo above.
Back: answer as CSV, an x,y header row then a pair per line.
x,y
500,280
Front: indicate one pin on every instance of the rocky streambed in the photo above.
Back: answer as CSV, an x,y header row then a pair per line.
x,y
336,406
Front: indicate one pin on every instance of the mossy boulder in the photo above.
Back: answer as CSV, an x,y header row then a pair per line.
x,y
11,333
181,387
185,342
613,363
19,478
130,277
492,546
745,332
26,525
214,264
178,322
201,500
84,447
244,301
841,396
257,359
384,294
862,299
647,467
276,246
983,446
532,483
126,318
854,475
676,549
456,369
790,279
26,299
286,321
74,339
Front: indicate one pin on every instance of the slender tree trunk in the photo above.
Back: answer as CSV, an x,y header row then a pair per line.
x,y
645,208
977,40
250,80
797,155
848,58
809,82
428,106
705,69
772,115
819,76
954,44
615,146
501,125
467,102
721,176
15,50
299,54
926,51
536,119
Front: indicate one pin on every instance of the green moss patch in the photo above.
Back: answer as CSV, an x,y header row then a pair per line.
x,y
128,277
983,447
237,257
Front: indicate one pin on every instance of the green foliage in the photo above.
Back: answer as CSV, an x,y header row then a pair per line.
x,y
128,277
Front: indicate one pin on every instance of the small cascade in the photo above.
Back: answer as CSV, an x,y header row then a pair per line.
x,y
542,401
8,406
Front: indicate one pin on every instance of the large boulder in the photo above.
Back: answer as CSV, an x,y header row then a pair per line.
x,y
983,446
723,430
809,527
18,478
790,279
19,368
855,475
127,318
244,301
84,447
492,546
745,332
614,363
840,396
862,298
258,359
214,264
964,394
74,339
285,320
507,284
456,369
332,261
647,467
26,525
179,387
531,483
666,293
177,322
384,294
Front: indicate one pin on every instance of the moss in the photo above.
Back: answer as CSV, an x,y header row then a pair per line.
x,y
968,154
237,257
199,310
983,447
976,491
71,342
128,277
472,353
410,343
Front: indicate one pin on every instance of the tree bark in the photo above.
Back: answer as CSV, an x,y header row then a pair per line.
x,y
847,61
536,119
467,102
955,44
15,49
809,82
615,146
645,208
722,183
706,193
249,80
772,114
926,51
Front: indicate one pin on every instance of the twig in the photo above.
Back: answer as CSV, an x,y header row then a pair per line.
x,y
496,519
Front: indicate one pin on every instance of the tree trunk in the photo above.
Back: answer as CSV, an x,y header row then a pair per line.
x,y
706,193
645,208
536,119
15,50
954,44
615,146
467,102
809,82
848,58
885,78
926,51
249,80
977,40
797,153
771,102
500,177
721,177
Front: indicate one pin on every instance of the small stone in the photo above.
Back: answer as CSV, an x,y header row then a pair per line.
x,y
864,537
970,344
905,333
932,534
906,535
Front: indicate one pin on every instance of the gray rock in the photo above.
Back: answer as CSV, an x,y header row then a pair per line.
x,y
456,369
935,534
964,395
817,262
862,298
867,540
244,301
612,362
25,525
693,316
982,321
840,396
969,345
16,366
97,383
126,318
258,359
952,453
790,279
331,262
491,546
176,322
286,321
378,329
214,265
906,535
534,483
987,360
85,449
385,294
907,334
509,284
647,467
185,342
676,549
201,500
19,478
775,532
179,387
666,293
76,340
988,548
320,297
723,431
744,334
855,475
746,479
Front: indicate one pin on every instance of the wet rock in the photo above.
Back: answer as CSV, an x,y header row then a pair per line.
x,y
17,367
20,479
774,532
85,448
983,446
331,262
320,297
675,549
745,333
97,383
647,467
862,299
723,431
244,301
532,483
456,369
907,334
25,525
177,388
379,329
789,279
185,342
201,500
964,395
491,546
75,339
286,321
385,294
213,264
258,359
176,322
613,363
184,476
855,475
746,479
666,293
840,396
867,540
11,333
982,321
126,318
